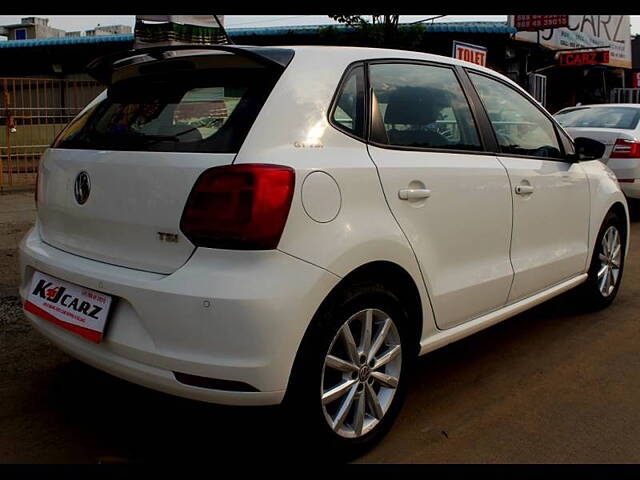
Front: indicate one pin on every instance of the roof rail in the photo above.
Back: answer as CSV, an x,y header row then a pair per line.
x,y
102,68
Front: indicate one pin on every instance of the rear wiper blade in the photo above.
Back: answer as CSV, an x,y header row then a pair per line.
x,y
161,138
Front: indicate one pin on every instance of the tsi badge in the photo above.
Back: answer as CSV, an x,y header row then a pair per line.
x,y
168,237
82,187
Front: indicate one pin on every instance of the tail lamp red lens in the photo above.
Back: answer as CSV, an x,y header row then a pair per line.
x,y
626,149
241,207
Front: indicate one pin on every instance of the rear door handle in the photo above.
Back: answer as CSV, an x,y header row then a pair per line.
x,y
524,189
414,193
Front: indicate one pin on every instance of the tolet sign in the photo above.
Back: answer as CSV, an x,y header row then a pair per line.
x,y
470,53
593,57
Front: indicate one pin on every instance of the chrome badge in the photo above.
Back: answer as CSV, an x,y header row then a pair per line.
x,y
82,187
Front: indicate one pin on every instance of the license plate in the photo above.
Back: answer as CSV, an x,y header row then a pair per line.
x,y
75,308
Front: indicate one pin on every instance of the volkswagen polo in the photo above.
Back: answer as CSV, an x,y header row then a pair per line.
x,y
261,225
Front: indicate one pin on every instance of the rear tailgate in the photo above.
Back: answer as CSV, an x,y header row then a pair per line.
x,y
136,152
133,209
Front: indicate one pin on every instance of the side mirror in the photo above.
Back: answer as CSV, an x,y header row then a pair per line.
x,y
588,149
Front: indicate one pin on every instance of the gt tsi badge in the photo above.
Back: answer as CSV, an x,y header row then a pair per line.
x,y
82,187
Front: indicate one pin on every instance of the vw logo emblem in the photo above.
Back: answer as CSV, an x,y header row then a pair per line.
x,y
82,187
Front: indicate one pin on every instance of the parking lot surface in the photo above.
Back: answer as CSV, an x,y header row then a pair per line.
x,y
551,385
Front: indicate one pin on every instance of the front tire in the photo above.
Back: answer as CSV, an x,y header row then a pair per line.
x,y
349,380
607,264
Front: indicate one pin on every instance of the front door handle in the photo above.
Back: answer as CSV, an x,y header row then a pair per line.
x,y
524,189
414,193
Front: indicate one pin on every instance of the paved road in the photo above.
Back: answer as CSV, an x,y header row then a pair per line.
x,y
546,386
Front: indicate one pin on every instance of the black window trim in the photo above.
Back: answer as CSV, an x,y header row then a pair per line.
x,y
338,91
482,150
554,123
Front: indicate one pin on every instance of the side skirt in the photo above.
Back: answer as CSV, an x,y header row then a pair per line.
x,y
468,328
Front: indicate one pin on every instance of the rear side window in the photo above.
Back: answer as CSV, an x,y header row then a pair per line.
x,y
204,111
520,127
422,106
348,112
600,117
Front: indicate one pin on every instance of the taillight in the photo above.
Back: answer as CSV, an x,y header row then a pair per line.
x,y
241,207
626,149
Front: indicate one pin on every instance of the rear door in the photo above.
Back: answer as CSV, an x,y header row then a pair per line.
x,y
450,197
114,184
550,194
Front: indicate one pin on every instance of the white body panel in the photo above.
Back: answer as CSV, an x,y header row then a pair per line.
x,y
134,196
461,233
550,225
455,247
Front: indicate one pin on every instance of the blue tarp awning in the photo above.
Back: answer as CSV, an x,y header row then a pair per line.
x,y
444,27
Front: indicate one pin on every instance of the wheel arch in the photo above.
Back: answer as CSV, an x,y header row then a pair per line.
x,y
619,209
389,274
395,278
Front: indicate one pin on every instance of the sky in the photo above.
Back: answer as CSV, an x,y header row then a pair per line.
x,y
86,22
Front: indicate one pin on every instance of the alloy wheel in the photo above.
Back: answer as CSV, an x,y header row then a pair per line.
x,y
610,260
361,373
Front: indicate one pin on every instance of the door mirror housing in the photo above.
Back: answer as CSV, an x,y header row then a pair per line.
x,y
587,149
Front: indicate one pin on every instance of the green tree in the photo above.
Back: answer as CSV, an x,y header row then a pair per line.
x,y
387,23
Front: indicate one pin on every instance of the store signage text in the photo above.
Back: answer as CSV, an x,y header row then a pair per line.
x,y
540,22
470,53
594,57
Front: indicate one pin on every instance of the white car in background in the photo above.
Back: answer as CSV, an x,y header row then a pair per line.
x,y
617,126
259,225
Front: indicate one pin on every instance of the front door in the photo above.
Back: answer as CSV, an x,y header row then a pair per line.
x,y
550,194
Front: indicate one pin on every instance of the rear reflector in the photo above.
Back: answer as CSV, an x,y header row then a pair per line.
x,y
240,207
626,149
214,383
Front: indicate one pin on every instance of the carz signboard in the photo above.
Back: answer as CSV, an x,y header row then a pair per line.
x,y
81,310
470,53
583,58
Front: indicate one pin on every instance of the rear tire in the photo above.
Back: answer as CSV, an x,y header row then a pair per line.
x,y
351,421
607,264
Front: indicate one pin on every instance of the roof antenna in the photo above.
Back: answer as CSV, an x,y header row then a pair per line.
x,y
224,30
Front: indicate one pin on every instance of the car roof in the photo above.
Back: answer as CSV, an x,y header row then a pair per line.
x,y
598,105
370,53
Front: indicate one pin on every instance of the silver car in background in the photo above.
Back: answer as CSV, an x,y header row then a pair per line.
x,y
617,126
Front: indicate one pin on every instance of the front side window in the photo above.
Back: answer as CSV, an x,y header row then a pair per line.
x,y
422,106
348,113
520,127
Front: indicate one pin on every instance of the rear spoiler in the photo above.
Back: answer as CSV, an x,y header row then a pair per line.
x,y
103,68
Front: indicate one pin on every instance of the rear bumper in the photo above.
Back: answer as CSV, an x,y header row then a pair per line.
x,y
631,190
224,315
627,169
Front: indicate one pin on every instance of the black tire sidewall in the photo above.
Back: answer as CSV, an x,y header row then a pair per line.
x,y
591,292
304,392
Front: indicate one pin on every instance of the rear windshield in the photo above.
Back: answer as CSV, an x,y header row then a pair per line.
x,y
600,117
205,111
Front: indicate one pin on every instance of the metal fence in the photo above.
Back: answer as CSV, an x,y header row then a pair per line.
x,y
32,112
625,95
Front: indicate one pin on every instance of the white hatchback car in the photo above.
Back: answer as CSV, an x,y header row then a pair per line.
x,y
617,126
258,225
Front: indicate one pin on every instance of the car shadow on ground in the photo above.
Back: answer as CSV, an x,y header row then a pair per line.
x,y
131,423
